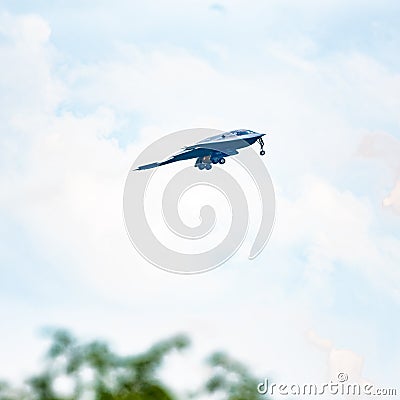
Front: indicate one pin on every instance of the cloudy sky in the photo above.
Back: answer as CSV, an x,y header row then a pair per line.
x,y
86,85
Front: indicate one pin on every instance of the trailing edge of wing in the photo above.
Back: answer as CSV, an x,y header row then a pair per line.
x,y
147,166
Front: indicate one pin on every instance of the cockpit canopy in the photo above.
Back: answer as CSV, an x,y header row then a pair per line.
x,y
241,132
238,132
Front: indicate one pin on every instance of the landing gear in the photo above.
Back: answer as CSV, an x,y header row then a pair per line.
x,y
203,165
206,162
261,141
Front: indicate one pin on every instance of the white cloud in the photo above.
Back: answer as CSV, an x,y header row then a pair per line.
x,y
386,148
393,200
26,71
339,362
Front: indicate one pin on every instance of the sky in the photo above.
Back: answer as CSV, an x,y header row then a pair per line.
x,y
85,86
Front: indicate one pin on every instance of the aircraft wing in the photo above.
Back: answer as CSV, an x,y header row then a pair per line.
x,y
147,166
229,152
186,154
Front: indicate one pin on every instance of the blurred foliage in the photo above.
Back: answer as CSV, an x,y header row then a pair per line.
x,y
231,379
93,371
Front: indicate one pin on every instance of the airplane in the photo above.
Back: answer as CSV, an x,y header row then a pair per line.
x,y
214,149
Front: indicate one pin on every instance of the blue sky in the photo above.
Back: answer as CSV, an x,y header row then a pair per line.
x,y
87,85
